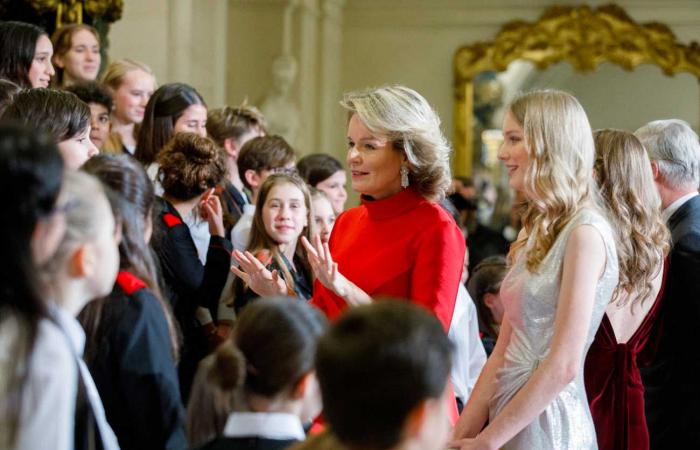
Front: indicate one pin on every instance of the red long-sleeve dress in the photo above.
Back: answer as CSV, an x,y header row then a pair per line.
x,y
403,246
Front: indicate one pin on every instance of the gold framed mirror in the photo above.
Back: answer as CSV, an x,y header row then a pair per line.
x,y
582,36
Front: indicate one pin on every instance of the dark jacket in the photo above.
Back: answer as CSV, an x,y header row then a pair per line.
x,y
188,283
671,381
134,370
248,443
233,202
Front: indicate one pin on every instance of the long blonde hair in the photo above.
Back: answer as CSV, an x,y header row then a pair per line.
x,y
558,180
623,172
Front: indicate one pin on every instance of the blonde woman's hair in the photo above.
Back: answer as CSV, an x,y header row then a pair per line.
x,y
623,172
405,117
558,180
113,76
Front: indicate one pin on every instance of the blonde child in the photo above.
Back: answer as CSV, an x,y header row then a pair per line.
x,y
324,215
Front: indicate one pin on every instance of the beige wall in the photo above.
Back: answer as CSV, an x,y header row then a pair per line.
x,y
181,40
226,48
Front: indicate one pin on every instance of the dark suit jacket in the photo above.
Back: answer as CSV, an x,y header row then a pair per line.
x,y
672,380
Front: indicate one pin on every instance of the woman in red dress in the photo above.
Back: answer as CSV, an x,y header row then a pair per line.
x,y
613,382
399,242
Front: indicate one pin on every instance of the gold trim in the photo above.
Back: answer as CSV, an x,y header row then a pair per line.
x,y
583,36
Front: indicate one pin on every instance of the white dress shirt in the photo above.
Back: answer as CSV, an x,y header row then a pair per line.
x,y
50,389
279,426
241,231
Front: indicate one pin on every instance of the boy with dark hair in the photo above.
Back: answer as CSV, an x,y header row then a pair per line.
x,y
258,159
383,370
100,103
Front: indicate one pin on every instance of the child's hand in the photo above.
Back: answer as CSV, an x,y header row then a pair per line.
x,y
258,278
210,209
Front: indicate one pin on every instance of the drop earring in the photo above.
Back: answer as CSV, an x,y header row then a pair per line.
x,y
404,176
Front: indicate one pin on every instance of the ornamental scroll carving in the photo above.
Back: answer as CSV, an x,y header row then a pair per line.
x,y
582,36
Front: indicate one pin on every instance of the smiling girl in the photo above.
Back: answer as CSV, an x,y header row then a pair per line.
x,y
563,270
282,216
76,54
26,55
131,84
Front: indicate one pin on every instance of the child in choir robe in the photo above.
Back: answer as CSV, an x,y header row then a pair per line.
x,y
132,341
258,389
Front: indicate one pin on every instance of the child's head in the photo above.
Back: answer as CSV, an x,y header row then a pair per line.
x,y
326,174
383,370
131,84
484,287
133,198
8,90
190,165
173,108
129,182
26,54
76,54
61,115
86,262
262,156
323,214
282,214
231,127
268,366
31,171
100,103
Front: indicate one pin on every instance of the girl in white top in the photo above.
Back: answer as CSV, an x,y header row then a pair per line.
x,y
40,342
83,268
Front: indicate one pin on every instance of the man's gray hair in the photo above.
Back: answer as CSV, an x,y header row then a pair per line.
x,y
675,148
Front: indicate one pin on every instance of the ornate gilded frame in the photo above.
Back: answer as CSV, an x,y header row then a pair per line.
x,y
582,36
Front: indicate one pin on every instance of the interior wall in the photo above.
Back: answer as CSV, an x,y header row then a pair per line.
x,y
230,46
182,41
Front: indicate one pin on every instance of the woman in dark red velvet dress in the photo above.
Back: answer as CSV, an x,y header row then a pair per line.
x,y
613,382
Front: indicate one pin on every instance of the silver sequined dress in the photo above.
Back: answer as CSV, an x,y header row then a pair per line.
x,y
530,301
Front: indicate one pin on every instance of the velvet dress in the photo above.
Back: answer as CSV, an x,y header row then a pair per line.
x,y
614,383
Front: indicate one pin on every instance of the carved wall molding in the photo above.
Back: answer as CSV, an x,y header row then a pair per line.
x,y
583,36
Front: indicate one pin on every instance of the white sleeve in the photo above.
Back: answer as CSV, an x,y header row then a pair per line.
x,y
48,400
240,235
469,356
476,347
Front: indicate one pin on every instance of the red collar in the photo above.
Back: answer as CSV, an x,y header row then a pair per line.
x,y
129,282
393,206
